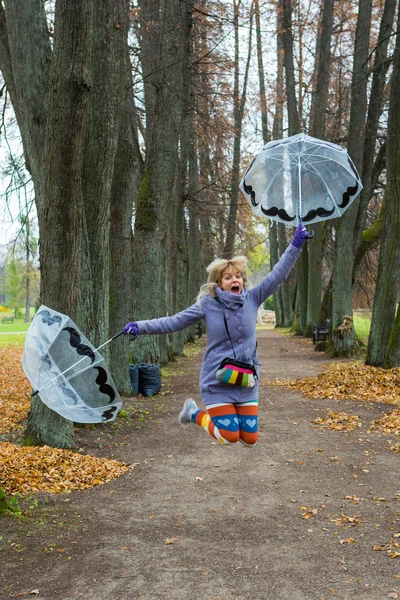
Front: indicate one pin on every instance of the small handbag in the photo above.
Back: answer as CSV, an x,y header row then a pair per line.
x,y
233,371
236,373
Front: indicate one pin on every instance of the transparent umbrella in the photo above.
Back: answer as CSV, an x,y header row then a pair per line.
x,y
68,373
301,179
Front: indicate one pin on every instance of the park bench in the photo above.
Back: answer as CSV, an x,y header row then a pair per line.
x,y
321,332
7,320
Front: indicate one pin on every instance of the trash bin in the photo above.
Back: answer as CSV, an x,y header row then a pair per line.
x,y
149,379
134,375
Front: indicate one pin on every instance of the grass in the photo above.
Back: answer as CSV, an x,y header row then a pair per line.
x,y
362,325
13,333
12,339
17,326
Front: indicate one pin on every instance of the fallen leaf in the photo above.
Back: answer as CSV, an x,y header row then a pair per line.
x,y
349,381
29,469
339,421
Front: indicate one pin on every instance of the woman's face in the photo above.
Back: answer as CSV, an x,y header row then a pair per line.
x,y
232,280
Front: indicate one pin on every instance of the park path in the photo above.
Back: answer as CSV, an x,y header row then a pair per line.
x,y
295,518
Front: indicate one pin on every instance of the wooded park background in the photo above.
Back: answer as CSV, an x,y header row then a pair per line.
x,y
138,120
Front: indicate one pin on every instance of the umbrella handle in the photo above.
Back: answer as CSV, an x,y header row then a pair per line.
x,y
311,234
120,333
117,335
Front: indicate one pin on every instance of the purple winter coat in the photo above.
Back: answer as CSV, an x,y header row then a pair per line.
x,y
241,314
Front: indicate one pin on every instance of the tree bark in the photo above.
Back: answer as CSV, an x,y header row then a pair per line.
x,y
287,42
318,112
238,112
342,289
384,344
375,108
277,236
64,251
106,100
68,105
128,173
294,129
162,66
263,98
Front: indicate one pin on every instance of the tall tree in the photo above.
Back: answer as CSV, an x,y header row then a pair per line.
x,y
162,63
127,176
342,289
384,344
294,129
317,130
239,100
277,237
372,160
68,101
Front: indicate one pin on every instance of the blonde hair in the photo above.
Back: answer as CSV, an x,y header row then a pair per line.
x,y
215,271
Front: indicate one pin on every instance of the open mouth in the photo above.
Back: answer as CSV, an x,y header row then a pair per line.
x,y
235,289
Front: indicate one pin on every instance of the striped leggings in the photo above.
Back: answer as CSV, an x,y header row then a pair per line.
x,y
230,423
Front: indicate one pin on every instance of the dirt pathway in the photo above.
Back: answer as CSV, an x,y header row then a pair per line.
x,y
295,518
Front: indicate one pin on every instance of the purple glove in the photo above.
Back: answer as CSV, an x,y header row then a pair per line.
x,y
300,236
131,329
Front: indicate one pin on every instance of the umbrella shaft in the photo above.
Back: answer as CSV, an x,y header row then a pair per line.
x,y
299,175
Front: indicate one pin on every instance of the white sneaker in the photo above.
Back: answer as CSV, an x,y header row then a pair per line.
x,y
189,408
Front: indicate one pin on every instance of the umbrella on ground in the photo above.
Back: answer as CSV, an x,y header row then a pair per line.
x,y
67,371
301,179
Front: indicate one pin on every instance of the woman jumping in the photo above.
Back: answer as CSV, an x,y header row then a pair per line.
x,y
229,307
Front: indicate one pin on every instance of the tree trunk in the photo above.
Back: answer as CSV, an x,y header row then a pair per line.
x,y
318,112
274,257
64,250
69,121
27,269
162,64
238,112
194,242
376,105
277,236
294,128
384,345
128,173
179,260
261,78
285,288
342,290
106,100
287,41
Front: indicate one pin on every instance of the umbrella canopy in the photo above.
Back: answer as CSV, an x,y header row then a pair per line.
x,y
67,371
301,179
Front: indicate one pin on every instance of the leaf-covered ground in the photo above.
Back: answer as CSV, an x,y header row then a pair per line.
x,y
352,381
349,381
31,469
15,389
